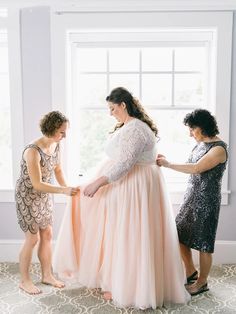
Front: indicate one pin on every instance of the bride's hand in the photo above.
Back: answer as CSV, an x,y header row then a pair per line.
x,y
91,189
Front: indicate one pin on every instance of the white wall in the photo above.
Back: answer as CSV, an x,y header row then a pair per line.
x,y
36,67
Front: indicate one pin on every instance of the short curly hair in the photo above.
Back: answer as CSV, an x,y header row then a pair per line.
x,y
51,122
203,119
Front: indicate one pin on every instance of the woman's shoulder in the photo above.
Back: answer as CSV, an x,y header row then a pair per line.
x,y
139,124
136,126
35,144
217,142
32,147
219,145
31,152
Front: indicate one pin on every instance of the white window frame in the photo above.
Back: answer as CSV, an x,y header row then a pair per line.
x,y
141,38
87,22
138,39
12,24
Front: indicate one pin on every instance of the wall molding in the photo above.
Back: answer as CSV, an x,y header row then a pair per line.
x,y
145,6
73,6
225,252
9,251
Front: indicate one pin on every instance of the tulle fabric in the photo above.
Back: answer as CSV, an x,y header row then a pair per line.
x,y
124,240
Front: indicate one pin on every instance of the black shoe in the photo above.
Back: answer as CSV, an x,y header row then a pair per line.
x,y
192,278
202,289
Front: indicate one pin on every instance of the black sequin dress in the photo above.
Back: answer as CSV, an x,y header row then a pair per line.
x,y
34,208
198,216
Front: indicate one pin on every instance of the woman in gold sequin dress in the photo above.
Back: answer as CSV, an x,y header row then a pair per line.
x,y
40,160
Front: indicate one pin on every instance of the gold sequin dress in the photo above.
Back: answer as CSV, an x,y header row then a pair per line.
x,y
34,208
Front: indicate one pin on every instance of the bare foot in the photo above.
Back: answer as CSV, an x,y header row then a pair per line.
x,y
29,287
52,281
107,295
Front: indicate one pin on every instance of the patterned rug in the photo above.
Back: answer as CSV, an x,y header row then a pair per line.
x,y
220,299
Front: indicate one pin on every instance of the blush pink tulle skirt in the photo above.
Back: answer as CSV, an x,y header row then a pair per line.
x,y
124,240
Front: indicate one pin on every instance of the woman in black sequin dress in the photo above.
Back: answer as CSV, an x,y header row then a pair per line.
x,y
40,160
198,216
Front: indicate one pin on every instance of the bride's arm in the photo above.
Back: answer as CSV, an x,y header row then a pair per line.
x,y
131,145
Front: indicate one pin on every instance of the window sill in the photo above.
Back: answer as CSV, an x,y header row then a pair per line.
x,y
7,196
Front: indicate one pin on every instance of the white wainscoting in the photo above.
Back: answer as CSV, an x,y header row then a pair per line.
x,y
225,252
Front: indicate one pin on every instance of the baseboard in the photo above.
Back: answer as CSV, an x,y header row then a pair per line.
x,y
9,251
225,252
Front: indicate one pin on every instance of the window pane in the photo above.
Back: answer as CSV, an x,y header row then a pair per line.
x,y
129,81
175,142
6,179
190,59
189,89
3,12
156,89
90,129
157,59
91,60
90,90
124,59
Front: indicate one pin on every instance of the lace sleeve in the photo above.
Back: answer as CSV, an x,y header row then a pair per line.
x,y
131,145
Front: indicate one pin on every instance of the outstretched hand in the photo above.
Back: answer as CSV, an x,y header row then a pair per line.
x,y
91,189
161,160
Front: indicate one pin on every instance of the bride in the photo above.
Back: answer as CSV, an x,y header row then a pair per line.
x,y
119,233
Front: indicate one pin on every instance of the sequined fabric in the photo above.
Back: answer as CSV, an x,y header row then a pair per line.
x,y
34,208
198,216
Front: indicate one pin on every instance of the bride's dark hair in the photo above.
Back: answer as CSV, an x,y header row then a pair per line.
x,y
133,106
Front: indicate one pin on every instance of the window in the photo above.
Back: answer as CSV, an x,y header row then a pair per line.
x,y
170,78
195,71
6,178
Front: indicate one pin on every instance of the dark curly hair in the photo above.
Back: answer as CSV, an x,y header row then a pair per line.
x,y
203,119
51,122
133,106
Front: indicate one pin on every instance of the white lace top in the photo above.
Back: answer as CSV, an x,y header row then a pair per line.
x,y
133,143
